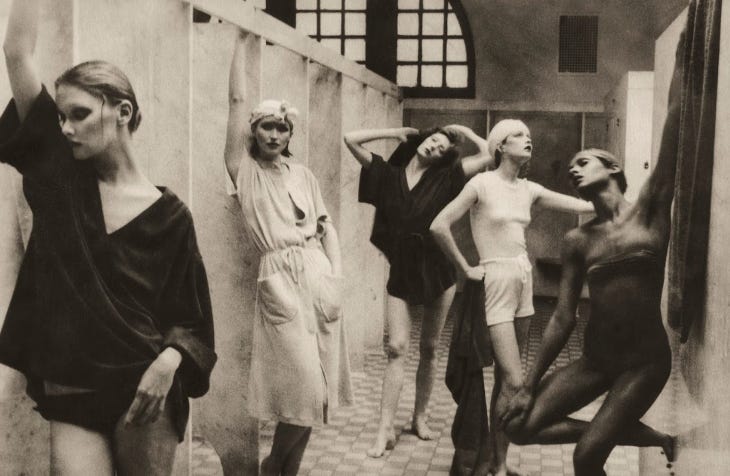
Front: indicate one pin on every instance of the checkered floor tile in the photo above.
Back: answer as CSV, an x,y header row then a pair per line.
x,y
340,447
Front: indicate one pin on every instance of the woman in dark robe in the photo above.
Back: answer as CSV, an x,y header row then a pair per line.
x,y
110,320
408,191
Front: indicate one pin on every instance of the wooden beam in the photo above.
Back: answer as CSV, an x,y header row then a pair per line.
x,y
255,21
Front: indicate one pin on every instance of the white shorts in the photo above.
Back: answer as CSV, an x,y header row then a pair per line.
x,y
507,289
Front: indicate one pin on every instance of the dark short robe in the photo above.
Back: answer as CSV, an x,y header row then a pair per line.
x,y
419,271
93,309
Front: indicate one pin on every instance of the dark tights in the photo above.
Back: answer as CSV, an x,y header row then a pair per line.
x,y
570,388
287,450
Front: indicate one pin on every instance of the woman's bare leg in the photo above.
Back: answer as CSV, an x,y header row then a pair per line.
x,y
434,317
76,451
287,444
617,421
572,387
508,341
146,449
399,329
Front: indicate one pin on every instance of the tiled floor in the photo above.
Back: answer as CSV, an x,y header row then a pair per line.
x,y
340,448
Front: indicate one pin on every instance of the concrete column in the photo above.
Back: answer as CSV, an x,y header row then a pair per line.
x,y
150,42
325,104
24,446
231,261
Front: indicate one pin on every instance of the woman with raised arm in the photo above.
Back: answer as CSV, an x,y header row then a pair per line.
x,y
299,365
110,320
499,202
408,191
621,254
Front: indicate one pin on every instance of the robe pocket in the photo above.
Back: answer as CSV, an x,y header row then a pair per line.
x,y
328,300
278,301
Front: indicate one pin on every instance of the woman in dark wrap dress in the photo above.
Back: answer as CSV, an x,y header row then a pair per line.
x,y
110,320
408,191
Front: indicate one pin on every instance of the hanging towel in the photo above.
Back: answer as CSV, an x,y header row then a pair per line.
x,y
693,185
469,351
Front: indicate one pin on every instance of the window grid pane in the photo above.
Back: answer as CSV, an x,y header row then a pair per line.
x,y
333,44
338,24
306,4
453,28
307,22
408,24
431,76
431,49
433,4
354,24
330,4
355,49
407,50
433,24
330,24
457,76
408,4
407,75
430,52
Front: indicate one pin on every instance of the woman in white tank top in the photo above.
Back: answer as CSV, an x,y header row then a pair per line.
x,y
499,204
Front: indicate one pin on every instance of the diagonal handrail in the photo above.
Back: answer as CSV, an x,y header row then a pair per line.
x,y
253,20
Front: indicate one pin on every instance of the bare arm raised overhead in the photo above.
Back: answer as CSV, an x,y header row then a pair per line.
x,y
19,46
238,135
354,140
478,162
655,198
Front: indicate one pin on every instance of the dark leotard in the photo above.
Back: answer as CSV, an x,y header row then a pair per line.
x,y
625,328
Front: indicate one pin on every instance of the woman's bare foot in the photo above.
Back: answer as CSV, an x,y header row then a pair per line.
x,y
384,441
669,448
420,428
507,470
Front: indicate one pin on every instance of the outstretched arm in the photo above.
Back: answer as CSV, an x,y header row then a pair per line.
x,y
655,198
354,140
558,330
563,203
478,162
237,133
19,46
441,230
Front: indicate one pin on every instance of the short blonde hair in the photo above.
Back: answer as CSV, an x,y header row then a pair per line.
x,y
499,133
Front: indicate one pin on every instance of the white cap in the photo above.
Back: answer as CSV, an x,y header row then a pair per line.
x,y
501,131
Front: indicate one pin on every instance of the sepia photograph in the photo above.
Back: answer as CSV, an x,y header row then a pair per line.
x,y
364,237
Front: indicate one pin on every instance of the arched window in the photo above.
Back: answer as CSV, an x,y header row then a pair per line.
x,y
425,46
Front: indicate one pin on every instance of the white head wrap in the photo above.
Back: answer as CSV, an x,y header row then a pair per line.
x,y
501,131
281,110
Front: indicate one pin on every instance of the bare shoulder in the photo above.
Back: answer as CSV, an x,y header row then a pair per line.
x,y
576,240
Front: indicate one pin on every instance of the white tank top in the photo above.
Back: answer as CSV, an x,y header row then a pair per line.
x,y
501,214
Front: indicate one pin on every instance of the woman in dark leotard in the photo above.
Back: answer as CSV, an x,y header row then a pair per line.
x,y
408,191
621,253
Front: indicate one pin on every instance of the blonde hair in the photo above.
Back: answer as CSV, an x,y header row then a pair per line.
x,y
105,81
499,133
